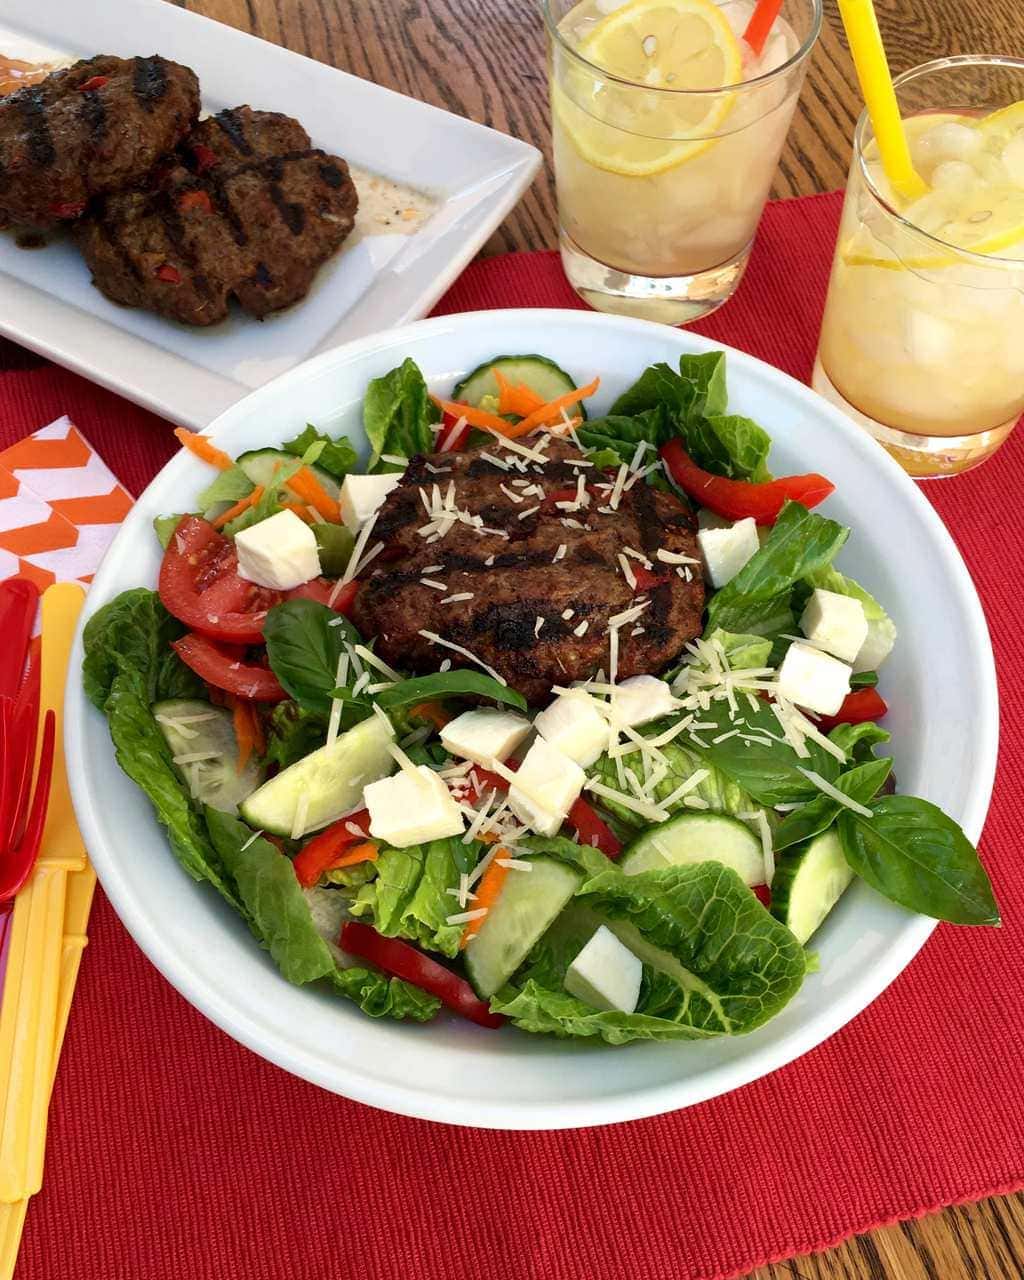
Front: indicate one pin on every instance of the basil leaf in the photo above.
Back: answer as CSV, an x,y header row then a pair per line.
x,y
449,684
915,855
859,740
304,642
799,542
397,415
337,457
862,783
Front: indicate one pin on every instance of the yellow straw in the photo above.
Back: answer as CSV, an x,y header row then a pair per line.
x,y
880,97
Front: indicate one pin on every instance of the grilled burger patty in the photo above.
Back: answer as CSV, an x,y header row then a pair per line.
x,y
516,592
248,209
96,127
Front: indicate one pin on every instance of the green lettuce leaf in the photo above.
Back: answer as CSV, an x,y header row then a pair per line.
x,y
397,415
284,923
721,793
336,456
131,636
293,732
408,897
226,487
129,665
164,527
758,599
715,962
613,440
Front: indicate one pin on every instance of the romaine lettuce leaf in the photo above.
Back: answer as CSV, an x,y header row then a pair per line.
x,y
715,962
409,898
164,527
131,636
284,923
337,457
397,415
227,486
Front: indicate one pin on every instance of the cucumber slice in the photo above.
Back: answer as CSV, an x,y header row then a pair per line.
x,y
809,880
329,781
529,902
334,543
192,727
259,466
697,837
538,372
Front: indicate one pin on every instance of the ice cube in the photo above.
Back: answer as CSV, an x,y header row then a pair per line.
x,y
737,13
777,50
926,338
1013,159
954,175
947,141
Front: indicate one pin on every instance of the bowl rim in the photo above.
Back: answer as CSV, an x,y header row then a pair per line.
x,y
569,1113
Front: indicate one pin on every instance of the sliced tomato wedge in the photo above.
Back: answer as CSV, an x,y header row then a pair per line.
x,y
322,589
199,584
226,668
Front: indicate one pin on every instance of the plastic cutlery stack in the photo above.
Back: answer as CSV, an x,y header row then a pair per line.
x,y
59,508
47,929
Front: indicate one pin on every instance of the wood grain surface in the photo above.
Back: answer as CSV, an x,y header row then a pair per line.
x,y
457,54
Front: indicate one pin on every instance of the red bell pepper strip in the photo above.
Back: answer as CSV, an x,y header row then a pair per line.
x,y
93,83
324,849
452,436
168,274
488,781
593,830
858,707
763,894
408,962
68,209
647,579
204,157
737,499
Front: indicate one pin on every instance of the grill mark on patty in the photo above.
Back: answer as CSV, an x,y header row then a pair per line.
x,y
262,276
648,522
109,232
149,80
332,175
293,215
230,125
32,105
94,114
222,202
175,230
508,625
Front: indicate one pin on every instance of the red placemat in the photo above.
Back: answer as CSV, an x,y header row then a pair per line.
x,y
172,1150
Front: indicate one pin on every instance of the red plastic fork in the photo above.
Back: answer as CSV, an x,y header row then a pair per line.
x,y
22,809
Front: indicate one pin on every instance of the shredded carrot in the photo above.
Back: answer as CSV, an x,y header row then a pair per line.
x,y
299,509
242,505
311,491
475,417
552,410
365,852
486,895
432,711
487,837
202,448
519,399
248,731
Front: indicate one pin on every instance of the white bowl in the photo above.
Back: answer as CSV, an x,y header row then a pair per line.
x,y
940,683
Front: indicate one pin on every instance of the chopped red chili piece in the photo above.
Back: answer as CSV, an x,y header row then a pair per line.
x,y
68,209
167,273
94,82
204,157
195,200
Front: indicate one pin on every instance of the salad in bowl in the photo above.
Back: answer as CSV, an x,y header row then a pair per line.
x,y
557,721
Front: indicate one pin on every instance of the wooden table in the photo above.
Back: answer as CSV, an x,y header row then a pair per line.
x,y
457,54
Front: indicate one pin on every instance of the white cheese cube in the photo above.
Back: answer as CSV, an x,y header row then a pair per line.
x,y
406,810
279,552
641,699
547,785
726,551
484,735
606,974
813,679
835,623
574,724
361,496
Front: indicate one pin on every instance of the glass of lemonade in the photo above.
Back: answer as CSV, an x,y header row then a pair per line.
x,y
922,340
667,130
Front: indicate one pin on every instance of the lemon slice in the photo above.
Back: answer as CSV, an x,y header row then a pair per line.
x,y
661,44
1003,125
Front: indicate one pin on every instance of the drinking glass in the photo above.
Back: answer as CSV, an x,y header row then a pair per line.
x,y
922,341
660,190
